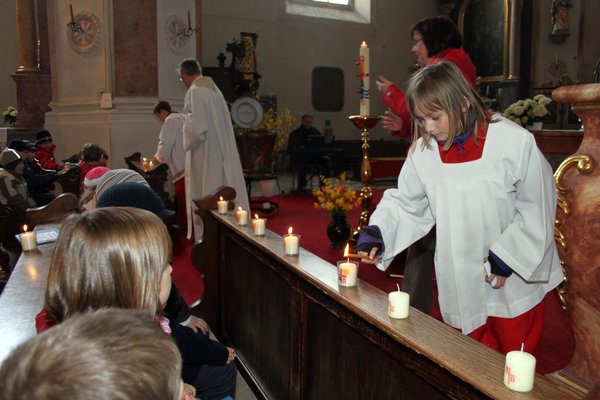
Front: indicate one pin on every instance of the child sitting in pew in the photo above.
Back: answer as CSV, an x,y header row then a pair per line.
x,y
119,257
109,353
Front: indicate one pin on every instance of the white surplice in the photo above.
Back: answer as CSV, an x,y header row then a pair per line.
x,y
505,201
170,145
212,158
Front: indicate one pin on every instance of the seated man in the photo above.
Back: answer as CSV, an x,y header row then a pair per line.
x,y
304,153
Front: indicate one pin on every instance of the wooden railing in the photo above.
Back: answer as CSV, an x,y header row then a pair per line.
x,y
298,335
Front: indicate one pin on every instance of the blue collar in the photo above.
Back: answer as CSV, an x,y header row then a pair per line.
x,y
459,141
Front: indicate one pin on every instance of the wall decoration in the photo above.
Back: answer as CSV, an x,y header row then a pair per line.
x,y
86,37
174,29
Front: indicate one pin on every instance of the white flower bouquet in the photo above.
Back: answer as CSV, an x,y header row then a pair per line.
x,y
527,111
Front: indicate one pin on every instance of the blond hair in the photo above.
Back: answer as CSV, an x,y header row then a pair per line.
x,y
108,257
443,87
106,354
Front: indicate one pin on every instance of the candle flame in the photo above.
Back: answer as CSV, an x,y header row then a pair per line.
x,y
25,228
346,250
240,208
290,230
220,198
363,44
256,216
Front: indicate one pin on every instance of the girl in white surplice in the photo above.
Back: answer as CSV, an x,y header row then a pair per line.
x,y
482,181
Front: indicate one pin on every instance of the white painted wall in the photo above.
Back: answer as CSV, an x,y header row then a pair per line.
x,y
289,47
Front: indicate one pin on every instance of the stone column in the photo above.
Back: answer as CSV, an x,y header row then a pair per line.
x,y
32,78
26,35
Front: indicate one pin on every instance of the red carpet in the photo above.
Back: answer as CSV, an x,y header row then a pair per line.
x,y
557,344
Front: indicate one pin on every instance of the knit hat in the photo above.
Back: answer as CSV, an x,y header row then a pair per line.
x,y
22,145
115,176
131,194
9,159
42,136
93,176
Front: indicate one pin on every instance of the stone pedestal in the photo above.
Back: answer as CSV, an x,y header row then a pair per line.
x,y
33,96
577,233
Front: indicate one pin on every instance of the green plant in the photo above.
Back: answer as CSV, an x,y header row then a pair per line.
x,y
10,115
529,110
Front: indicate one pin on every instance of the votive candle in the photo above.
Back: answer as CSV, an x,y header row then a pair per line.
x,y
222,206
241,216
259,225
291,243
347,272
519,370
398,304
28,239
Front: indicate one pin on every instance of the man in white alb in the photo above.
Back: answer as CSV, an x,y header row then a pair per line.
x,y
212,158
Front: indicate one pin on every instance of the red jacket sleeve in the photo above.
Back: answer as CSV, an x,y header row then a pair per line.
x,y
395,99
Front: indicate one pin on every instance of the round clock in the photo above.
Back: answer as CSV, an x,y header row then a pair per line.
x,y
174,33
85,36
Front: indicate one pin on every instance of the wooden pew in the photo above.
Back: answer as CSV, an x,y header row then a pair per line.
x,y
54,211
205,257
298,335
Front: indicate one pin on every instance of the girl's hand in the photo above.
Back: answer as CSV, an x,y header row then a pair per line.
x,y
189,392
231,355
370,258
500,280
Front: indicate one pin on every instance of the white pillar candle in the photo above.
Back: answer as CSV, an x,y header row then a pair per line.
x,y
519,371
363,63
291,243
28,239
222,206
259,225
398,304
241,216
347,272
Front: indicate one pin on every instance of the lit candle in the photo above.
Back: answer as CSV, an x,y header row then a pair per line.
x,y
398,304
363,65
259,225
189,20
347,272
241,216
71,10
222,206
28,239
291,243
519,370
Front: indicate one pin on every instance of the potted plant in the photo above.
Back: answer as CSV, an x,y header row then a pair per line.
x,y
337,199
10,115
529,112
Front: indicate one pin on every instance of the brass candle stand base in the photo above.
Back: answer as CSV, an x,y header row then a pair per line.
x,y
364,123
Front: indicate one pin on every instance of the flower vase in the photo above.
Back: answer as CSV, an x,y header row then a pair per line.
x,y
338,231
535,126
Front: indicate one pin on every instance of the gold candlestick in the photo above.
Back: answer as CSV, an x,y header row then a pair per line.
x,y
364,123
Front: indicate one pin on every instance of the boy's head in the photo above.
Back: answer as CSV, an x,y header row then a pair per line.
x,y
43,139
108,257
93,153
109,353
25,148
11,160
162,109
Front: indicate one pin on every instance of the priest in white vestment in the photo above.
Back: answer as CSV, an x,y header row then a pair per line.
x,y
212,158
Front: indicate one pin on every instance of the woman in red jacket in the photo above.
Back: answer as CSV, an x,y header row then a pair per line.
x,y
435,39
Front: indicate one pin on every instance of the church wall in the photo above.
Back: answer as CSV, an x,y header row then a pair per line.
x,y
289,47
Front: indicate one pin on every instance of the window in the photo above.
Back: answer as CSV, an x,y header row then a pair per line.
x,y
342,10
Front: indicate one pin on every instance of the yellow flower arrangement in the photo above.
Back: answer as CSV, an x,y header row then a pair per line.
x,y
276,122
336,197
